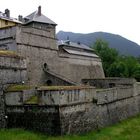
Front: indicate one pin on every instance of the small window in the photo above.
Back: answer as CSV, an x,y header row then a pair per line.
x,y
49,83
45,65
6,22
111,85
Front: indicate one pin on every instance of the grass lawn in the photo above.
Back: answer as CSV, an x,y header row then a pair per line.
x,y
126,130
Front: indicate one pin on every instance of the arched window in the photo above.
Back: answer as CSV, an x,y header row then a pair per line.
x,y
49,83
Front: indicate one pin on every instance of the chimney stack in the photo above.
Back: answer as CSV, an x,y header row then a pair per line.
x,y
20,18
7,13
39,10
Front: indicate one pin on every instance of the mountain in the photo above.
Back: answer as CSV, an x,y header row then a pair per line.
x,y
123,45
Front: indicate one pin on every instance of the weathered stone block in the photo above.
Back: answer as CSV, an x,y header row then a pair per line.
x,y
2,109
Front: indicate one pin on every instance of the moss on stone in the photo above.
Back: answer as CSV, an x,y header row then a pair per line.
x,y
32,100
16,88
63,87
9,54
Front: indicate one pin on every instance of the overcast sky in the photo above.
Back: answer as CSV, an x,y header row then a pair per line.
x,y
85,16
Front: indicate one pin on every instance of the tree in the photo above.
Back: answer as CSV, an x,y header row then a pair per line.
x,y
115,65
117,69
107,55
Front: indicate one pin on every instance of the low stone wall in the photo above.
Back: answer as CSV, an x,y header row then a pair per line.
x,y
19,97
109,82
66,95
105,96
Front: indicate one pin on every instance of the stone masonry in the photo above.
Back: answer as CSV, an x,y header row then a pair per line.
x,y
57,89
12,71
2,109
75,109
36,41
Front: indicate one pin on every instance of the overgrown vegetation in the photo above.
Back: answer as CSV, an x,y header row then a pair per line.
x,y
116,65
126,130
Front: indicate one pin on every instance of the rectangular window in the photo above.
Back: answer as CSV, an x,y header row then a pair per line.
x,y
6,22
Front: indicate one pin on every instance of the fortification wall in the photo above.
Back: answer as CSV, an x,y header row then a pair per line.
x,y
35,37
80,67
109,107
12,71
79,109
7,38
39,47
37,57
109,82
12,68
19,97
2,109
38,118
68,95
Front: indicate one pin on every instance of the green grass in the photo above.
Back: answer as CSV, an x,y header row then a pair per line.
x,y
126,130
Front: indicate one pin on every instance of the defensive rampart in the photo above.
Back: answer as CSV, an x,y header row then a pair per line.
x,y
75,109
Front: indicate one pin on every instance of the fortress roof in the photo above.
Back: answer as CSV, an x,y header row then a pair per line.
x,y
37,16
77,48
74,45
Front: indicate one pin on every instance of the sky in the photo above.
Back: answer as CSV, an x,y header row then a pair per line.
x,y
85,16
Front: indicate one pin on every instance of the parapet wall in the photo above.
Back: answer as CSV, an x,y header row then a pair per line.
x,y
109,82
105,96
68,95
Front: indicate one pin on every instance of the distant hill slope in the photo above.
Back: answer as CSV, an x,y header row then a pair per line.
x,y
123,45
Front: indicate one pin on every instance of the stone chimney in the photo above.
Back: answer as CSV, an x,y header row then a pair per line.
x,y
20,18
7,13
78,42
39,10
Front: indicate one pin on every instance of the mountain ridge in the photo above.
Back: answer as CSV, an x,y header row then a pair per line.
x,y
122,44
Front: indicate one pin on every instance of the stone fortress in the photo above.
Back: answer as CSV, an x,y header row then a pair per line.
x,y
56,87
